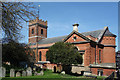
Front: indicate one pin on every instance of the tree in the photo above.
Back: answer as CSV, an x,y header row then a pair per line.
x,y
64,53
13,15
15,53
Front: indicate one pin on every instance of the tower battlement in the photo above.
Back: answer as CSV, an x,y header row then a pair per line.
x,y
37,20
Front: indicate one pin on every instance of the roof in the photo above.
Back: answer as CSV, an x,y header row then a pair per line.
x,y
51,40
75,32
93,33
108,33
96,34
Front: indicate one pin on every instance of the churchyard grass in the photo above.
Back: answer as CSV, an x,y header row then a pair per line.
x,y
49,75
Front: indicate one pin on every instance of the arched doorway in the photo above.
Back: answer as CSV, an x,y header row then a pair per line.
x,y
55,69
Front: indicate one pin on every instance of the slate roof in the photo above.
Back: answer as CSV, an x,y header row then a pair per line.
x,y
108,33
51,40
95,34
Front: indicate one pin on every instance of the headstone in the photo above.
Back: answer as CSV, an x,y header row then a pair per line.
x,y
18,74
63,72
2,72
29,71
41,73
12,73
35,73
23,73
34,68
87,73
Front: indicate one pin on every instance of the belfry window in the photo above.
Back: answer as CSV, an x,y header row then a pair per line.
x,y
40,55
41,31
32,31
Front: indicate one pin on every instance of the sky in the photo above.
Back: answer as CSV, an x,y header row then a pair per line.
x,y
89,15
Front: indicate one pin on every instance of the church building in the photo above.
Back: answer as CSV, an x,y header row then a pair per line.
x,y
96,47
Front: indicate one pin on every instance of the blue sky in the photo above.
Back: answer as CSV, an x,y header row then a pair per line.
x,y
89,15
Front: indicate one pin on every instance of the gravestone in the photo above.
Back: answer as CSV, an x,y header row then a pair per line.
x,y
35,73
34,68
23,73
41,73
2,72
63,72
18,74
87,73
12,72
29,71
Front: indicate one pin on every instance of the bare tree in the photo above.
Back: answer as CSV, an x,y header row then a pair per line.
x,y
13,15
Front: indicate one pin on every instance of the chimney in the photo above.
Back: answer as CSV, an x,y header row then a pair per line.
x,y
75,27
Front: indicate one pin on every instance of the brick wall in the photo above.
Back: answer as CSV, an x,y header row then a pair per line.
x,y
35,28
106,72
43,52
89,55
108,52
109,55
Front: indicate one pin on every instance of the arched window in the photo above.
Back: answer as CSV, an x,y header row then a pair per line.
x,y
76,49
46,56
100,56
41,31
34,56
40,56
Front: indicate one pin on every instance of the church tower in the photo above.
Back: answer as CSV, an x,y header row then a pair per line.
x,y
37,30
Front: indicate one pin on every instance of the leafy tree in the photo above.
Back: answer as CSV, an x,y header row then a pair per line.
x,y
13,15
15,53
64,53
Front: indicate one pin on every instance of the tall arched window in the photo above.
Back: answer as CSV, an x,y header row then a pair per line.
x,y
40,56
46,56
41,31
100,56
34,56
76,48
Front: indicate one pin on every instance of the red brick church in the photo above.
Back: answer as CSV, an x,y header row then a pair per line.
x,y
97,47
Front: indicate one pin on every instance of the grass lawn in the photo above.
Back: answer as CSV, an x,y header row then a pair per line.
x,y
49,75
